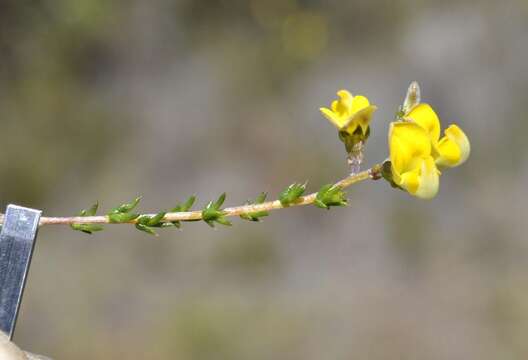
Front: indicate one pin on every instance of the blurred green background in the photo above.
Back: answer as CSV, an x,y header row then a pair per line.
x,y
106,100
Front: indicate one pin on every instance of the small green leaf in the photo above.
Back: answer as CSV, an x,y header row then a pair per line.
x,y
156,219
87,228
261,198
189,203
291,194
127,207
146,229
222,220
256,215
185,206
93,209
118,218
330,195
220,201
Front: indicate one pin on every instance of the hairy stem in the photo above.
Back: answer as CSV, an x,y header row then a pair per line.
x,y
372,173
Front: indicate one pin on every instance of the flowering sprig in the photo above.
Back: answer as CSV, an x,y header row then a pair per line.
x,y
417,154
351,115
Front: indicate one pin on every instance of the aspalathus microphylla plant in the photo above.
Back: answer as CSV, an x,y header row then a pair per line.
x,y
417,155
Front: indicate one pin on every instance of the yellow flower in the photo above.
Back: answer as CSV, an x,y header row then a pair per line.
x,y
350,114
416,151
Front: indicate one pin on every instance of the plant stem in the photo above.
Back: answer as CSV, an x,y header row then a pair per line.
x,y
372,173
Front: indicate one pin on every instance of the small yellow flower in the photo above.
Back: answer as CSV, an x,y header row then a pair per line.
x,y
416,151
350,114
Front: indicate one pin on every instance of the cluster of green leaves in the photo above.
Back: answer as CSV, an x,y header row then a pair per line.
x,y
291,194
88,228
122,213
255,216
213,212
186,206
330,195
146,223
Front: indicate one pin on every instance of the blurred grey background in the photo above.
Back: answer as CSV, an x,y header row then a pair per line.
x,y
106,100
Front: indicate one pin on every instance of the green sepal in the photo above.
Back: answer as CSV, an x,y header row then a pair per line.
x,y
350,140
127,207
386,173
330,195
213,213
256,215
87,228
292,193
118,218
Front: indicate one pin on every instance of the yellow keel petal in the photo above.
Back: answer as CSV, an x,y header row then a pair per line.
x,y
429,180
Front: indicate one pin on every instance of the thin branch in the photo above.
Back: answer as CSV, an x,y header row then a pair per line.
x,y
372,173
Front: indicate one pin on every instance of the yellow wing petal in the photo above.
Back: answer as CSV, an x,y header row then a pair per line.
x,y
332,117
424,115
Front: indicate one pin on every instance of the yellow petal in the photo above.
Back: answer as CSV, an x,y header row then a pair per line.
x,y
429,179
345,98
361,118
359,102
453,148
410,181
333,117
424,115
344,104
449,153
408,142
